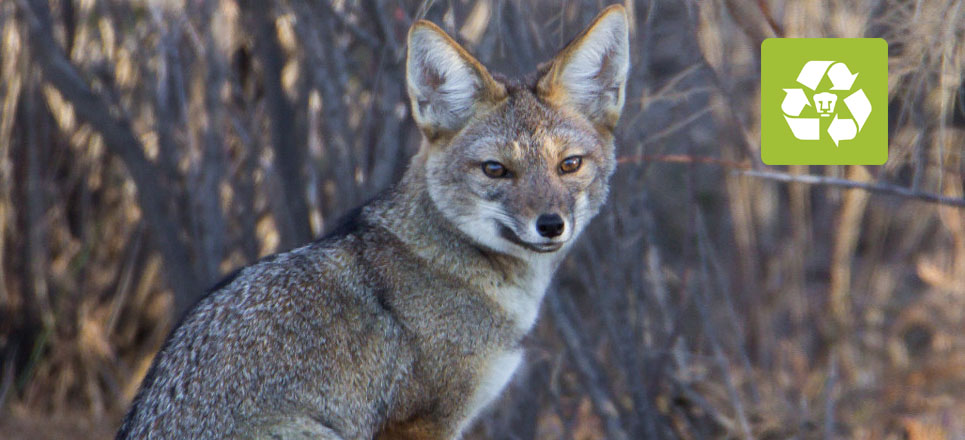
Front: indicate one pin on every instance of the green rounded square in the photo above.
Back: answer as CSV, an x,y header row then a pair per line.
x,y
783,63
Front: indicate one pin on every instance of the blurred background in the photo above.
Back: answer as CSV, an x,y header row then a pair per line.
x,y
149,147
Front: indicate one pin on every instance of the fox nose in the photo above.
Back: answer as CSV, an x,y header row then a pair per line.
x,y
550,225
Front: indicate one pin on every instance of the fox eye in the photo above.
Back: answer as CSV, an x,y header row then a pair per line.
x,y
494,169
571,164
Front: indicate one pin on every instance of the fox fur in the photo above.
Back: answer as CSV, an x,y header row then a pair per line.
x,y
406,321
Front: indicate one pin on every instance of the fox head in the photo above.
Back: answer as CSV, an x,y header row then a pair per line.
x,y
519,167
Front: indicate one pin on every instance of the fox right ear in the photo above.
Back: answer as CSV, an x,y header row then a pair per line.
x,y
446,85
590,74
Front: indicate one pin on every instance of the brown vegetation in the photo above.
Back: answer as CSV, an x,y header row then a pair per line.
x,y
149,147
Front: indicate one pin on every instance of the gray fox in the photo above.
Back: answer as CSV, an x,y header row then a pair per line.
x,y
406,321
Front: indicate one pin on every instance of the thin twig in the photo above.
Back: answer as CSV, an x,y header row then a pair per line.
x,y
677,126
292,208
701,301
877,188
829,385
154,197
719,273
683,158
423,10
7,372
737,119
685,391
603,401
742,168
361,34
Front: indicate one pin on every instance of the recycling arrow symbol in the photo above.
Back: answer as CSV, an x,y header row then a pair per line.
x,y
842,80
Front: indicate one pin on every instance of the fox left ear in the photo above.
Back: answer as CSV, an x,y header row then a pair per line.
x,y
446,85
590,74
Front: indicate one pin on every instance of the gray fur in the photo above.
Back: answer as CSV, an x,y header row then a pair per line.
x,y
407,321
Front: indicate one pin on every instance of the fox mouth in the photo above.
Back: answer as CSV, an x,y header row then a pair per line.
x,y
510,235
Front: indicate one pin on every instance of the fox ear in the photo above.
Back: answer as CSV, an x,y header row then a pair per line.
x,y
590,74
446,85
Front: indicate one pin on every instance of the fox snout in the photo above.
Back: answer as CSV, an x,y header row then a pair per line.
x,y
544,234
550,225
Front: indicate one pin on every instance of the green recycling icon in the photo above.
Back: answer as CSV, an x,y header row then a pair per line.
x,y
842,81
817,96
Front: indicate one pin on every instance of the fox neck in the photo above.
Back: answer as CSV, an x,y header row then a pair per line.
x,y
516,283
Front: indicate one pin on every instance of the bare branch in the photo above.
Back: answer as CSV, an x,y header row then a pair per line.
x,y
701,301
363,35
682,158
603,401
829,402
289,155
120,140
809,179
877,188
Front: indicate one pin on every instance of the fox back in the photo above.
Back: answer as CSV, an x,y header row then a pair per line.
x,y
406,321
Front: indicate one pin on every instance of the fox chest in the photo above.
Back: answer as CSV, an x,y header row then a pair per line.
x,y
492,375
466,391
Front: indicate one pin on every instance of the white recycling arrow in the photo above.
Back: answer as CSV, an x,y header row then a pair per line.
x,y
859,106
842,130
805,129
841,78
794,102
812,72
